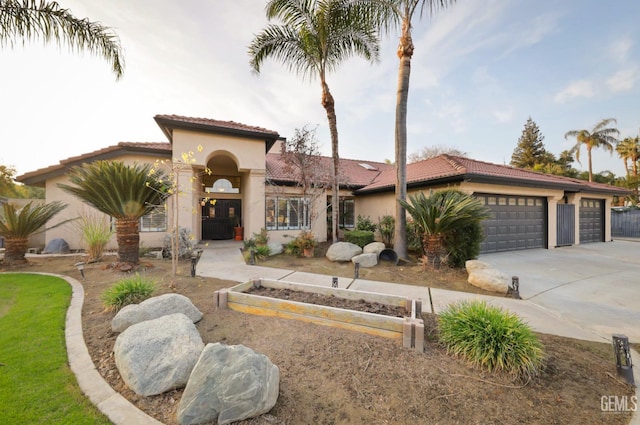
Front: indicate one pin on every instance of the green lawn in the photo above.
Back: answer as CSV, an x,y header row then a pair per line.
x,y
36,384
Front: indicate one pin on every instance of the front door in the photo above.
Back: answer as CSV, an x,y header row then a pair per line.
x,y
219,218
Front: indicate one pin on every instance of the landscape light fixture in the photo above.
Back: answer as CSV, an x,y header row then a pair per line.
x,y
80,267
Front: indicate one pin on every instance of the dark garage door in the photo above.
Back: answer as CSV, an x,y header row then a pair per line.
x,y
517,222
591,220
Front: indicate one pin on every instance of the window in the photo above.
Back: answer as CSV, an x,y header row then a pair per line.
x,y
285,213
347,215
155,221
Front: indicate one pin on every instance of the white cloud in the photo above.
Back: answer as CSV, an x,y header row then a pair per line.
x,y
623,80
621,49
581,88
503,115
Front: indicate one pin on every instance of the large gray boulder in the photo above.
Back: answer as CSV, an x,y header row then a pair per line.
x,y
158,355
228,384
373,248
484,276
153,308
366,260
343,251
56,246
275,248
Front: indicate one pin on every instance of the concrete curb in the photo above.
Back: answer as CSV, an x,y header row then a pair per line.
x,y
119,410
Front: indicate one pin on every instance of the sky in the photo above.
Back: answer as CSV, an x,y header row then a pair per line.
x,y
479,71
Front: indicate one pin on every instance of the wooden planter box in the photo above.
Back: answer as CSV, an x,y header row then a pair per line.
x,y
409,330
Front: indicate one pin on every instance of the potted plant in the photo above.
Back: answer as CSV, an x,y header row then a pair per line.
x,y
307,243
238,229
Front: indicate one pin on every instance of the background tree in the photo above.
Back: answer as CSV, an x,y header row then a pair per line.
x,y
315,37
427,152
10,189
629,150
530,150
47,21
301,155
600,136
16,225
124,192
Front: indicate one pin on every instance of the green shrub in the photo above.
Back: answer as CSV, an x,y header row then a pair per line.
x,y
359,237
365,223
386,228
414,238
491,338
463,244
132,290
260,252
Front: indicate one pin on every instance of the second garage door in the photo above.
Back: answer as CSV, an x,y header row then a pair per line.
x,y
517,222
591,220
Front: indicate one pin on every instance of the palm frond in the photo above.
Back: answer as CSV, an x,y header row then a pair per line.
x,y
119,190
20,223
47,21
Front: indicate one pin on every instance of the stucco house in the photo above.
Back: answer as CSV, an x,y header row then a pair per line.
x,y
251,185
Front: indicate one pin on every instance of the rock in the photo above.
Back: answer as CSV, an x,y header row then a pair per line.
x,y
366,260
158,355
275,248
343,251
490,280
56,246
153,308
373,247
228,384
475,265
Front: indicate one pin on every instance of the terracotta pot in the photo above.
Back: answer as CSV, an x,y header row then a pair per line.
x,y
308,252
239,233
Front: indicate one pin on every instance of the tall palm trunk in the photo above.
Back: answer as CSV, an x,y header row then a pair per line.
x,y
128,237
590,164
329,105
405,52
15,250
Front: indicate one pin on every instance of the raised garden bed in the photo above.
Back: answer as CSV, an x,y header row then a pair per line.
x,y
253,298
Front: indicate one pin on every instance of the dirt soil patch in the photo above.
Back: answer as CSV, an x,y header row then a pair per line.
x,y
329,301
334,376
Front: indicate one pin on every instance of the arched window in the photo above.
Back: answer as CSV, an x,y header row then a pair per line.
x,y
223,186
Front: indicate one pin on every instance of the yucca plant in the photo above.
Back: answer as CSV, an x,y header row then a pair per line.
x,y
490,337
96,233
16,225
125,192
132,290
440,214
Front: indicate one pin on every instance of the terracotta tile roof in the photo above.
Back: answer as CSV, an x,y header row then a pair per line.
x,y
168,121
38,177
353,173
454,168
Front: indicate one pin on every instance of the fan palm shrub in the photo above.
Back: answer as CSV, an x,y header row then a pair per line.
x,y
16,225
440,214
125,192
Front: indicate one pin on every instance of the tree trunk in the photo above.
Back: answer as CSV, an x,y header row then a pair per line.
x,y
329,105
128,237
433,249
405,52
15,250
590,163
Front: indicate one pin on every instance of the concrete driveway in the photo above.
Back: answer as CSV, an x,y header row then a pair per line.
x,y
594,286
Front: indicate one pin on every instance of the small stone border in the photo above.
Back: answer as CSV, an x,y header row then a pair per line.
x,y
117,408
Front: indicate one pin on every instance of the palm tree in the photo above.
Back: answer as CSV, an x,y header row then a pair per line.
x,y
629,150
440,214
17,225
33,19
403,12
124,192
314,38
600,136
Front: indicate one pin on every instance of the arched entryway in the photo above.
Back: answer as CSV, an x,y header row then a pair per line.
x,y
221,203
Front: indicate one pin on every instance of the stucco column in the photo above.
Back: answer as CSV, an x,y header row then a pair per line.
x,y
575,200
607,219
552,221
253,203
